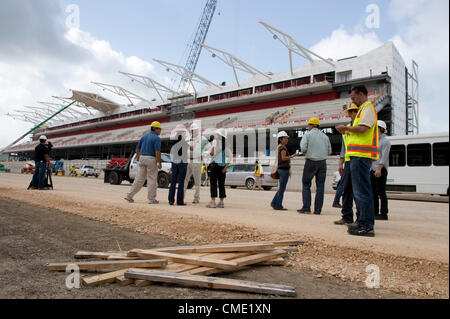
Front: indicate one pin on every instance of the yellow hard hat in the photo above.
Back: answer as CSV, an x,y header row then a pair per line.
x,y
156,124
314,121
352,106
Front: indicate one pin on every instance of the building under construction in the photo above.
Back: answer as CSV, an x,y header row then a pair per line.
x,y
98,128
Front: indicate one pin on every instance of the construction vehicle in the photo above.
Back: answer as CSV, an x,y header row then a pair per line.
x,y
87,170
27,168
58,168
122,169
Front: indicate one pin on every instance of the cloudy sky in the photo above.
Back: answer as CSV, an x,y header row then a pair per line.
x,y
44,52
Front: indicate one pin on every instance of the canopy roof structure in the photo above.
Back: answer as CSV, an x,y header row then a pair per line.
x,y
95,101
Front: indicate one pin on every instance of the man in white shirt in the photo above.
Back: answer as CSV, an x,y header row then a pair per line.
x,y
198,144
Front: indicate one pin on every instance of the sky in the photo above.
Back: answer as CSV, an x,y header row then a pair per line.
x,y
45,51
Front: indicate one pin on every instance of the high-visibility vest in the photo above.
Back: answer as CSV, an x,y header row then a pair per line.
x,y
345,138
366,144
257,170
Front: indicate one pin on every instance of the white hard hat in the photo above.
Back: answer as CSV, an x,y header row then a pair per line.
x,y
222,132
43,137
382,124
282,134
194,126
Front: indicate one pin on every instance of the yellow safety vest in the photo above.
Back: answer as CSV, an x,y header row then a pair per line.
x,y
258,170
366,144
345,138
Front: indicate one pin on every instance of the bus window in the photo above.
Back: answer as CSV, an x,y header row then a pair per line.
x,y
397,156
440,154
419,154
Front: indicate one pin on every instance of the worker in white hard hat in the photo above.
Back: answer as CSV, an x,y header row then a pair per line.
x,y
148,155
42,163
281,170
379,173
198,144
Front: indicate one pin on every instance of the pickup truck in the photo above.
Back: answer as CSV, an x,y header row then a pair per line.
x,y
120,169
87,170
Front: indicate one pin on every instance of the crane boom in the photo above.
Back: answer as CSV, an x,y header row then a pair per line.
x,y
200,36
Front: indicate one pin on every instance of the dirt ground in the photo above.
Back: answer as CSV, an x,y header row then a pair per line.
x,y
32,236
411,249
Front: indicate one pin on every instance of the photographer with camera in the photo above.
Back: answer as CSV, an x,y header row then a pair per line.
x,y
42,163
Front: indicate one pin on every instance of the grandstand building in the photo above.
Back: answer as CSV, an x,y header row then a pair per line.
x,y
282,101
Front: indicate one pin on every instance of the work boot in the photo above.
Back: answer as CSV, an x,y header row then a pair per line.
x,y
342,221
361,231
354,224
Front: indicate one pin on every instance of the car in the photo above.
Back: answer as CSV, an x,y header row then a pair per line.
x,y
164,174
239,175
86,170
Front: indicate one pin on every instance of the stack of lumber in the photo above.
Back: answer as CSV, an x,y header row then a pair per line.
x,y
190,266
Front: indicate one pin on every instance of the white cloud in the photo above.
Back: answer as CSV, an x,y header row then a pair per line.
x,y
422,36
39,73
342,44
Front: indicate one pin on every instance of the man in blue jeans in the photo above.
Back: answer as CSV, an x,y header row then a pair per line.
x,y
42,162
316,146
362,149
179,156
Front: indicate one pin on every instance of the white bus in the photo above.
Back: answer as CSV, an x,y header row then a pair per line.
x,y
419,163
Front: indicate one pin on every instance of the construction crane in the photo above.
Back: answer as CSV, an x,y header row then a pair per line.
x,y
195,47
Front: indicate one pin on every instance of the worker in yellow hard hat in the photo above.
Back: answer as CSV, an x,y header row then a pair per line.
x,y
148,155
156,125
316,146
351,108
313,121
344,188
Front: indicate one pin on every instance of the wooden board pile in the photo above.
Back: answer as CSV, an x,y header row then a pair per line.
x,y
190,266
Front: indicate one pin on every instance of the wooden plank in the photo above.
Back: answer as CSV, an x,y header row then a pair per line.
x,y
113,264
120,257
124,281
272,262
210,282
230,247
100,255
180,268
242,260
89,254
109,277
257,258
191,260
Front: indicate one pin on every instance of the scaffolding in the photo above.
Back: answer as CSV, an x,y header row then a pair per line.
x,y
412,100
